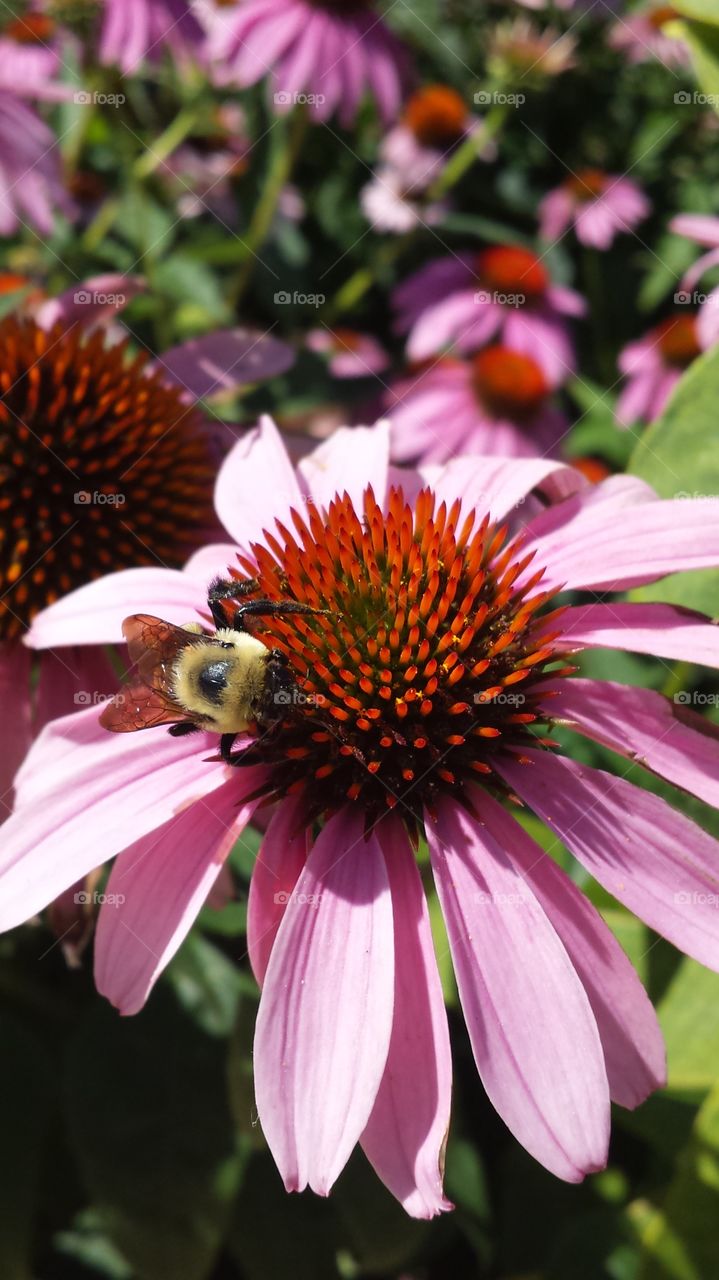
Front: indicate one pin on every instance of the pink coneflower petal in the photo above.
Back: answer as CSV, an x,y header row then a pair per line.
x,y
224,360
544,337
648,542
256,484
111,769
632,1042
708,321
533,1033
88,303
663,736
96,611
664,630
695,272
702,227
325,1016
457,318
404,1139
352,458
283,854
157,887
662,866
501,484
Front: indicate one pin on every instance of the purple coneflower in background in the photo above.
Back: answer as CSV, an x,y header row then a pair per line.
x,y
429,688
705,230
498,402
31,187
653,365
642,36
502,292
106,462
323,54
349,354
599,205
135,31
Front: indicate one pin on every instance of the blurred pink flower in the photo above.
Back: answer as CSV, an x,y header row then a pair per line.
x,y
653,365
641,36
705,230
105,463
496,403
351,354
323,55
599,205
503,292
135,31
31,188
390,205
352,1041
202,172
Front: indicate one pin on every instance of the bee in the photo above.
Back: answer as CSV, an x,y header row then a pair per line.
x,y
223,682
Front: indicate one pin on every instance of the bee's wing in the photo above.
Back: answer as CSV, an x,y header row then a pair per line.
x,y
146,700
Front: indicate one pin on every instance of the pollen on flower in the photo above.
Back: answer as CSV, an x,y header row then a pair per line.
x,y
509,383
102,466
512,269
587,184
677,340
436,114
423,667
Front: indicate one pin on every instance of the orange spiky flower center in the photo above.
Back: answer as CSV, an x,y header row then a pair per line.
x,y
677,340
587,184
508,383
437,115
102,466
662,14
32,28
425,665
511,269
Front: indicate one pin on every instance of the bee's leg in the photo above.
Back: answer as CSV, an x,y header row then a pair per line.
x,y
183,727
226,743
270,609
222,589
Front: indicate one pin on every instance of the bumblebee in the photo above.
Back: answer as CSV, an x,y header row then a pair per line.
x,y
224,682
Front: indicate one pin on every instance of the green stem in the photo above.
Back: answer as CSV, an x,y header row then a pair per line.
x,y
466,154
682,675
288,144
169,141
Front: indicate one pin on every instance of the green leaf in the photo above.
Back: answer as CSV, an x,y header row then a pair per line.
x,y
703,40
382,1237
275,1235
678,456
690,1029
207,985
679,1240
702,10
148,1117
